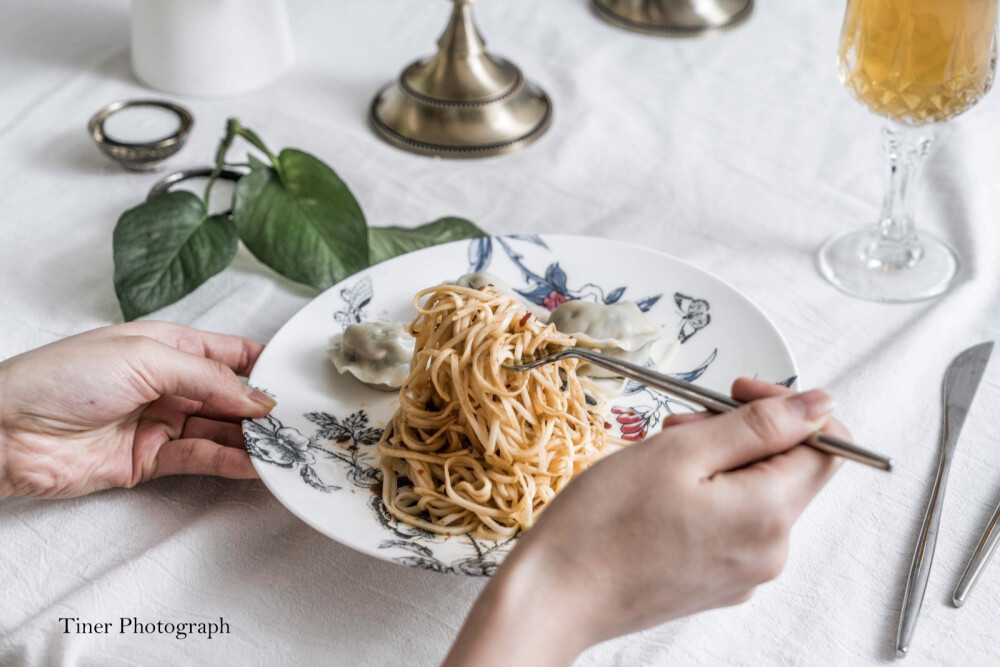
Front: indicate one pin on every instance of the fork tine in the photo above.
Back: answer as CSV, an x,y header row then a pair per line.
x,y
526,364
529,361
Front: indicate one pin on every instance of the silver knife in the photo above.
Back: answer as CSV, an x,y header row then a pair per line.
x,y
960,384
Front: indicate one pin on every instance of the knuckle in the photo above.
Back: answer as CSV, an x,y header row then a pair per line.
x,y
136,343
760,528
147,328
770,524
140,351
743,596
772,563
771,528
777,520
142,356
186,454
158,325
245,356
764,419
682,452
220,373
127,329
219,459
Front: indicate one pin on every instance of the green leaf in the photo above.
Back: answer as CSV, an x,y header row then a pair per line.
x,y
301,220
166,247
387,242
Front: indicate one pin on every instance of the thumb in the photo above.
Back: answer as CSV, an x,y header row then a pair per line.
x,y
170,372
760,429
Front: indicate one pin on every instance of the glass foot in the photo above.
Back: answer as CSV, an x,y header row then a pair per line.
x,y
844,260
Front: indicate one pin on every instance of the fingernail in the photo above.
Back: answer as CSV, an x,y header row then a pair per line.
x,y
257,396
812,405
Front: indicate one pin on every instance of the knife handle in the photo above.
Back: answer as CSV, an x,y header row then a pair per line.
x,y
980,557
923,556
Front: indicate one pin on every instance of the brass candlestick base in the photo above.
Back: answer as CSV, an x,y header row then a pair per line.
x,y
674,18
462,101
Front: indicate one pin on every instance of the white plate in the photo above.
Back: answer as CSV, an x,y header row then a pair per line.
x,y
316,452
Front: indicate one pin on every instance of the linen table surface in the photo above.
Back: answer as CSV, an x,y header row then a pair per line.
x,y
739,153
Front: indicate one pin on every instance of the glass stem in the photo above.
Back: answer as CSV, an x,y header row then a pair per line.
x,y
897,245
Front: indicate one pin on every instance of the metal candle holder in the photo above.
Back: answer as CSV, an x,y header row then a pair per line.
x,y
674,18
462,101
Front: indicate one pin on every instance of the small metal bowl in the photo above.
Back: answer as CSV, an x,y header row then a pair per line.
x,y
140,156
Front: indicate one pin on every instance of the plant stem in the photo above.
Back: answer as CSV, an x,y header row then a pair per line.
x,y
252,137
235,129
220,157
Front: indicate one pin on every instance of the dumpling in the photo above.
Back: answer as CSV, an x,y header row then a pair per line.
x,y
481,279
484,278
607,327
620,330
377,353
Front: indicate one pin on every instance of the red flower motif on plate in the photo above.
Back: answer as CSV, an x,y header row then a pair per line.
x,y
634,424
554,300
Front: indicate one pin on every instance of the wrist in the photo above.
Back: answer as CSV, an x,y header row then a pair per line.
x,y
527,614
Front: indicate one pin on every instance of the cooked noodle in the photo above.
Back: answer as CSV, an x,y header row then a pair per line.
x,y
474,448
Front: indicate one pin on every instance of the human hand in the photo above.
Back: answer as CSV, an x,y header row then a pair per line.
x,y
691,519
125,404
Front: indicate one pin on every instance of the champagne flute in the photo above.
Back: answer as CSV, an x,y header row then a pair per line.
x,y
914,62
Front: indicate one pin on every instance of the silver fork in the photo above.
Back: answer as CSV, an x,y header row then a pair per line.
x,y
710,400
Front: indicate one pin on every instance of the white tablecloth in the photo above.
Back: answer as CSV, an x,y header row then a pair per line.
x,y
739,153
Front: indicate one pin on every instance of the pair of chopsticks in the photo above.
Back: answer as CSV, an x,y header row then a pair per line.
x,y
707,398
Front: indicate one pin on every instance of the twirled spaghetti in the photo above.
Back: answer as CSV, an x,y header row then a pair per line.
x,y
473,447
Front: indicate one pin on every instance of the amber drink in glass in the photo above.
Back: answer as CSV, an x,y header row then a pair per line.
x,y
913,62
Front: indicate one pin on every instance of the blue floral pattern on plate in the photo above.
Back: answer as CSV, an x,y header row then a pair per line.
x,y
336,453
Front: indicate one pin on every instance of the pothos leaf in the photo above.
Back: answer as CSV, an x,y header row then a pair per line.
x,y
166,247
387,242
300,219
294,214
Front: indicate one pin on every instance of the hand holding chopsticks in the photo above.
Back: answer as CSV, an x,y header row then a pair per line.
x,y
707,398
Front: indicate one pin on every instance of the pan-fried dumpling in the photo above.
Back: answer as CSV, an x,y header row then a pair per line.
x,y
618,329
377,353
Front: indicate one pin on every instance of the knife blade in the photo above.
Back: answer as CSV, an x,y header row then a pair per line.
x,y
960,383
